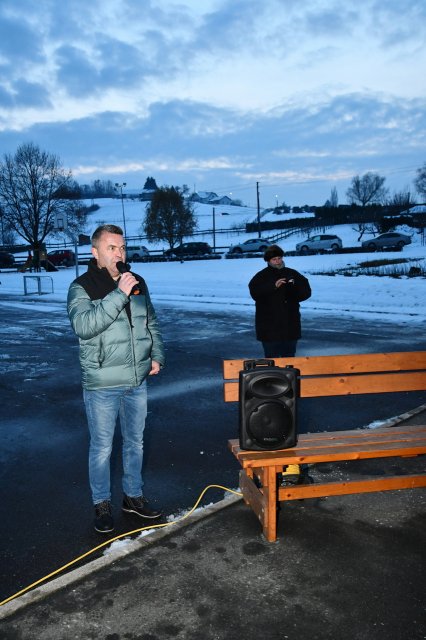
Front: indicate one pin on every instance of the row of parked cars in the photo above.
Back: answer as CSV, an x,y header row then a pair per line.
x,y
327,242
139,252
314,244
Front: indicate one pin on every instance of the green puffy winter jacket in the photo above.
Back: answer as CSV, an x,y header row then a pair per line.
x,y
119,336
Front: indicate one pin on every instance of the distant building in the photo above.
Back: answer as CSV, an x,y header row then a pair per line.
x,y
210,197
206,197
222,200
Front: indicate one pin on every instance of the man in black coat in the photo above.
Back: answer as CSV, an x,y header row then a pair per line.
x,y
277,291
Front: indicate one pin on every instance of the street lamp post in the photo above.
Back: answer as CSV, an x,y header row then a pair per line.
x,y
2,228
120,186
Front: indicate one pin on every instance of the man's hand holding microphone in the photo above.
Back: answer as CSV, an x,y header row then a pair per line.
x,y
127,283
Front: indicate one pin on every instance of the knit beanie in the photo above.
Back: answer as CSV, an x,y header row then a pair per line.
x,y
274,251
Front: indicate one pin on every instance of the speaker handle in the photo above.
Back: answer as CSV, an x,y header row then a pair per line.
x,y
250,365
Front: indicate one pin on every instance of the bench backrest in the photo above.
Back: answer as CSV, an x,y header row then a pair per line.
x,y
344,374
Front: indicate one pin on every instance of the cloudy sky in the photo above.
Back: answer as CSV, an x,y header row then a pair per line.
x,y
219,94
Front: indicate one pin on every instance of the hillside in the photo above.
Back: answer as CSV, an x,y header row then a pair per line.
x,y
226,219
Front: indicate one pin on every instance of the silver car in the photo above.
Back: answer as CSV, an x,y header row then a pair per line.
x,y
252,245
320,242
390,239
136,252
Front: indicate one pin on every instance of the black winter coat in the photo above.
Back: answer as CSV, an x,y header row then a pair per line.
x,y
277,309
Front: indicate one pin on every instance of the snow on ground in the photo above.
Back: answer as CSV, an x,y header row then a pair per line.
x,y
222,285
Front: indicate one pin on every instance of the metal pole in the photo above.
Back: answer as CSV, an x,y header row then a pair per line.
x,y
214,231
120,186
2,228
258,211
76,255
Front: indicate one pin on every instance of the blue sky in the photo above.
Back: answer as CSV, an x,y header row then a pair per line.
x,y
219,94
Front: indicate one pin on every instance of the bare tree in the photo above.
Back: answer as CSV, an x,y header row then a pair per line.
x,y
334,199
420,181
401,199
365,227
169,217
31,183
367,189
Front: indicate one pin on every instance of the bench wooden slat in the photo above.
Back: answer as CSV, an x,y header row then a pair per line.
x,y
352,486
341,364
355,435
331,446
328,454
359,437
348,385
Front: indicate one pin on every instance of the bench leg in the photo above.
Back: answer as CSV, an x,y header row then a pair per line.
x,y
263,501
271,504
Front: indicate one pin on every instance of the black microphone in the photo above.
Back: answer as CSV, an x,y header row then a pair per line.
x,y
124,268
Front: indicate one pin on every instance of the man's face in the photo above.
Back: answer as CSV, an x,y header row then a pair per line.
x,y
110,250
276,263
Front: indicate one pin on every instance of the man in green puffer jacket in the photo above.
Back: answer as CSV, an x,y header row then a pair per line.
x,y
120,345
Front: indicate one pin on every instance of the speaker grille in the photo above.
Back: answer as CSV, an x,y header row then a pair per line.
x,y
265,386
269,424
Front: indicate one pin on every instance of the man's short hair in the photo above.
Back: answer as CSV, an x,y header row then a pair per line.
x,y
105,228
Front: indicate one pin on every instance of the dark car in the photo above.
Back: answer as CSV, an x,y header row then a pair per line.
x,y
62,257
392,239
190,249
7,259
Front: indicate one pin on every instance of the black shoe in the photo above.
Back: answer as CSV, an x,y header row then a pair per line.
x,y
103,518
139,506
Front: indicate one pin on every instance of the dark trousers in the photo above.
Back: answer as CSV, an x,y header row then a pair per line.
x,y
283,349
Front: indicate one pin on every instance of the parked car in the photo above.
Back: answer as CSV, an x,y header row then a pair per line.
x,y
321,242
136,252
390,239
62,257
190,249
248,246
7,259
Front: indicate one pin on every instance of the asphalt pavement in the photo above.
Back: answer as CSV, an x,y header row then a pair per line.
x,y
342,566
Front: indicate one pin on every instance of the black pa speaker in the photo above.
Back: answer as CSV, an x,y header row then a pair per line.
x,y
268,402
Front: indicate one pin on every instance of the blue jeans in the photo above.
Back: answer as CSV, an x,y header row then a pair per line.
x,y
282,349
103,406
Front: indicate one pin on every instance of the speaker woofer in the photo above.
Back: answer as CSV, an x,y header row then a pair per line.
x,y
269,424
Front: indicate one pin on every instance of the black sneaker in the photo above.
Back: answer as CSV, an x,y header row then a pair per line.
x,y
139,506
103,517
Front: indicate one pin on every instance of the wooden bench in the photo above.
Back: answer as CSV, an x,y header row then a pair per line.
x,y
333,376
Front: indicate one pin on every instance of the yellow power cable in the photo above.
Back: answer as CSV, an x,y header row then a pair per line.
x,y
122,535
